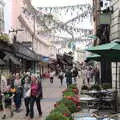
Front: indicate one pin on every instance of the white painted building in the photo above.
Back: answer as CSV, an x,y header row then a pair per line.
x,y
2,5
23,17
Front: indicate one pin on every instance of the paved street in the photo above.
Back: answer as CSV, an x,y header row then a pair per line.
x,y
51,93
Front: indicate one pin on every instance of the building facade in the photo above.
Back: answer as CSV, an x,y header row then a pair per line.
x,y
2,5
25,19
102,20
115,35
108,16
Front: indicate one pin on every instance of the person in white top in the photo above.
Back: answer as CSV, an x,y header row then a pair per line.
x,y
3,83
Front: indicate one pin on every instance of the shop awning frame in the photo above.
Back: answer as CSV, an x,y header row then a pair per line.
x,y
9,56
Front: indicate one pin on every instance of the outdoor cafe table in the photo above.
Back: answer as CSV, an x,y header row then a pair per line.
x,y
87,99
100,92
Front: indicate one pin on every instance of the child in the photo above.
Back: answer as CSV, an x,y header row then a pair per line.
x,y
7,101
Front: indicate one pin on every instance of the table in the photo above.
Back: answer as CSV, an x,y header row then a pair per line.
x,y
87,100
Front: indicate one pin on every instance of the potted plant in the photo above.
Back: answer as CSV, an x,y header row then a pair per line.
x,y
68,94
63,110
69,104
73,88
4,38
56,116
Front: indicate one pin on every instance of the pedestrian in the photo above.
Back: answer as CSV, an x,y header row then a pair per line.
x,y
75,74
52,73
7,99
27,94
84,75
2,89
36,95
97,76
1,106
61,76
88,75
18,94
68,76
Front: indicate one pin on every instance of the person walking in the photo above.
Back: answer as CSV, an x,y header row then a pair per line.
x,y
68,76
18,94
61,76
88,76
7,99
97,76
27,94
52,73
36,95
75,74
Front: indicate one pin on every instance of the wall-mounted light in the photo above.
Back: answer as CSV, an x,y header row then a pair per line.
x,y
16,30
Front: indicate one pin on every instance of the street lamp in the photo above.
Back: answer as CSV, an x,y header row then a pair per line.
x,y
15,31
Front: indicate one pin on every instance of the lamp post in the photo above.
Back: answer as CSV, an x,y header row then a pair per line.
x,y
15,31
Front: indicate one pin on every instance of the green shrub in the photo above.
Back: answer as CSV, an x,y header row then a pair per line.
x,y
69,104
63,110
67,90
95,87
56,116
106,86
73,86
68,94
4,37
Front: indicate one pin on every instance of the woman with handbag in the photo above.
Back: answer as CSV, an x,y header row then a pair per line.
x,y
27,94
36,95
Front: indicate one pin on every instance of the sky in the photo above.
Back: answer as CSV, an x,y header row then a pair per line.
x,y
55,3
59,3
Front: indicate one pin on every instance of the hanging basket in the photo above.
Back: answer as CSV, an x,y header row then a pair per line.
x,y
4,38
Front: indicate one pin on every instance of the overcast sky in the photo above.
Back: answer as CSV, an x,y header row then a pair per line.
x,y
51,3
57,3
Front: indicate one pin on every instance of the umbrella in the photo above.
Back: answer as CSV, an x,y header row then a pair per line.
x,y
109,51
112,48
97,57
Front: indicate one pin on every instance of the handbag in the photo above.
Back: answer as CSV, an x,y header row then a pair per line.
x,y
28,93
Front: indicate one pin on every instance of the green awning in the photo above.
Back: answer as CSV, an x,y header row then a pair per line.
x,y
96,57
112,48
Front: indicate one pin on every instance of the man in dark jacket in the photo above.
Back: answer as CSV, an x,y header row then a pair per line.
x,y
75,74
68,76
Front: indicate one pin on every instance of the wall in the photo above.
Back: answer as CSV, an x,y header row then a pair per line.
x,y
115,35
1,16
115,21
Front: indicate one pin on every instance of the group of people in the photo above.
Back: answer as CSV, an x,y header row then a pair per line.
x,y
27,87
90,75
69,73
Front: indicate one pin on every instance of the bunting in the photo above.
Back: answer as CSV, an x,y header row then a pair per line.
x,y
50,22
